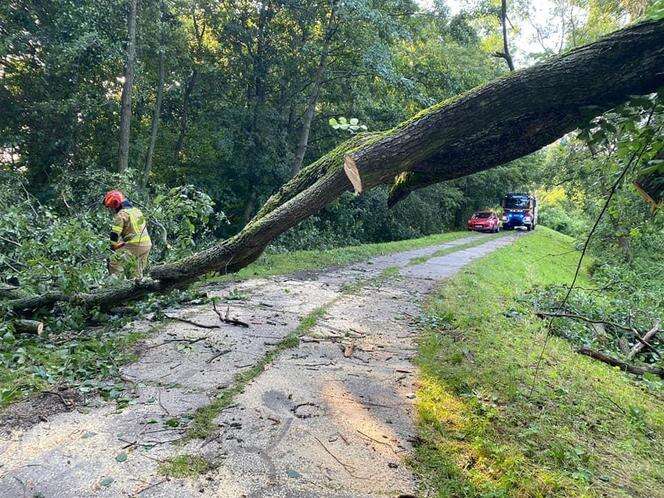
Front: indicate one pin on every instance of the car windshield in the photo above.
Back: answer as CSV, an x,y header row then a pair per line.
x,y
516,202
482,215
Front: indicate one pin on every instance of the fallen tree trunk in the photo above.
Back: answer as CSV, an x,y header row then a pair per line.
x,y
28,327
614,362
491,125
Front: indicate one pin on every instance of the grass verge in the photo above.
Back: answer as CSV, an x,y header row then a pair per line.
x,y
586,430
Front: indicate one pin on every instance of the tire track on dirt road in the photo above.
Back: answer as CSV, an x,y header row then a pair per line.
x,y
314,423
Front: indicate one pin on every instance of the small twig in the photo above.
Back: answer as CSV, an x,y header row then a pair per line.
x,y
10,241
150,486
217,355
161,405
191,322
169,341
374,439
345,466
225,319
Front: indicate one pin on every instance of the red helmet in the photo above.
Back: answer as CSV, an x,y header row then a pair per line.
x,y
113,199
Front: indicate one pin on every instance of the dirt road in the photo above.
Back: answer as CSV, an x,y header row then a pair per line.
x,y
330,416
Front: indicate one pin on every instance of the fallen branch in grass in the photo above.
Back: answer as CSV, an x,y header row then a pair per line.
x,y
642,340
610,360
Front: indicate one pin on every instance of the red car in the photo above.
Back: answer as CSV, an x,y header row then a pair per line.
x,y
484,221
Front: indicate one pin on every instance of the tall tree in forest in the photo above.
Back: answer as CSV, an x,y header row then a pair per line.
x,y
303,141
199,23
127,88
158,100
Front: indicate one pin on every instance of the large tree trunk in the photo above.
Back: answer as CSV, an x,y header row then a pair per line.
x,y
127,88
491,125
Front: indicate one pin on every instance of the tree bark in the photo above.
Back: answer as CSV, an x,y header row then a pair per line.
x,y
127,88
155,119
491,125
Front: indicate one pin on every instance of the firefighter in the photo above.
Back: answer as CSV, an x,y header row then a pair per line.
x,y
130,241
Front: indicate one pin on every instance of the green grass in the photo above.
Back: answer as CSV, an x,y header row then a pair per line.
x,y
270,264
183,466
586,430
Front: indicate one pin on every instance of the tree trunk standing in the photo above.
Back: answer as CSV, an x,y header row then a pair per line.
x,y
308,118
313,98
155,119
199,33
257,98
508,118
184,117
127,88
505,54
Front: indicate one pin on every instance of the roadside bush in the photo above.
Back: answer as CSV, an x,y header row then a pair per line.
x,y
64,246
563,219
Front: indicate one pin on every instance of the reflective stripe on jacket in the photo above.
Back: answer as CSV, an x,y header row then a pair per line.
x,y
130,224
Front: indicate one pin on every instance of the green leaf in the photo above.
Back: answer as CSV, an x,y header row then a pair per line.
x,y
121,457
106,481
343,120
354,121
333,122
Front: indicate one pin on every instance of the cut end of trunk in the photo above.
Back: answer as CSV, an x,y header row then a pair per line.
x,y
29,327
353,174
